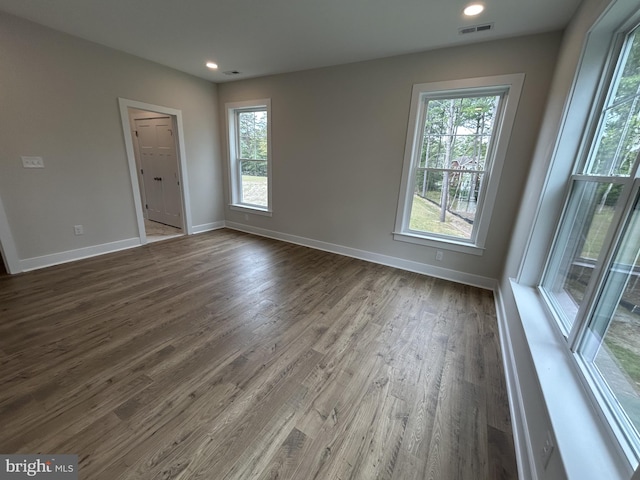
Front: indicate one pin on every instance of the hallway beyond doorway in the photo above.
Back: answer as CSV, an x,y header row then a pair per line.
x,y
159,231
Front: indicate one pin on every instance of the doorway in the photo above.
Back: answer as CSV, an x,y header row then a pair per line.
x,y
9,260
158,169
157,160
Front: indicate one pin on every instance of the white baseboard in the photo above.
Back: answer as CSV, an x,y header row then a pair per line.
x,y
521,440
35,263
207,227
44,261
409,265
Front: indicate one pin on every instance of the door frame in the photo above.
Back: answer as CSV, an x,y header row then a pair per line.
x,y
8,250
125,104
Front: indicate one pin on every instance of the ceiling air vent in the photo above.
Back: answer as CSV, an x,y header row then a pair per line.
x,y
475,28
232,72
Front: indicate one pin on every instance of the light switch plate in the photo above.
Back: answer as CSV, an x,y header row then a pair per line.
x,y
32,162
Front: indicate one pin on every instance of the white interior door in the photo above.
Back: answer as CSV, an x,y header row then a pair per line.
x,y
159,163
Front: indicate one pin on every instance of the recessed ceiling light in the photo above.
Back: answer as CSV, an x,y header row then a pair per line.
x,y
212,65
473,9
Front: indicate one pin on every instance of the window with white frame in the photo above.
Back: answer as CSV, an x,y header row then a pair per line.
x,y
456,144
592,277
249,129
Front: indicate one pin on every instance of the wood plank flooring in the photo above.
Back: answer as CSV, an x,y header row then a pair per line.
x,y
229,356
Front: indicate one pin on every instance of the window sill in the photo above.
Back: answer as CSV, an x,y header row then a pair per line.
x,y
577,424
247,209
441,243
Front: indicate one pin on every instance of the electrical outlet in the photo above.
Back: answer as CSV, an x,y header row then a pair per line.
x,y
32,162
439,255
547,449
246,217
78,229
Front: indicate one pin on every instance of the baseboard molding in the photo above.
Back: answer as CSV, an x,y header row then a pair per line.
x,y
207,227
35,263
409,265
522,443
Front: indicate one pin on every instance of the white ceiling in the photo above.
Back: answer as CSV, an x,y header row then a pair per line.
x,y
262,37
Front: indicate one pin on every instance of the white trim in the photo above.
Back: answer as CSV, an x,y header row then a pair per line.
x,y
208,227
510,88
549,181
94,250
125,104
579,423
8,249
35,263
525,454
409,265
582,435
234,180
442,243
253,210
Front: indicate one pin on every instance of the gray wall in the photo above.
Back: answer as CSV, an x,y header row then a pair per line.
x,y
338,137
338,141
59,100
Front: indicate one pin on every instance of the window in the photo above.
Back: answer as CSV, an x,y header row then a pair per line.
x,y
592,277
250,155
456,143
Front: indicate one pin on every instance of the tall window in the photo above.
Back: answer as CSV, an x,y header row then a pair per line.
x,y
592,277
250,155
455,149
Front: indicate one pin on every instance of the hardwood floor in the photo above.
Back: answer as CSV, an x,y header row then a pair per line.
x,y
228,356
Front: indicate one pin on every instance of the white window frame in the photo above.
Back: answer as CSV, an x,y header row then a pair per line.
x,y
235,176
573,334
509,87
586,434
